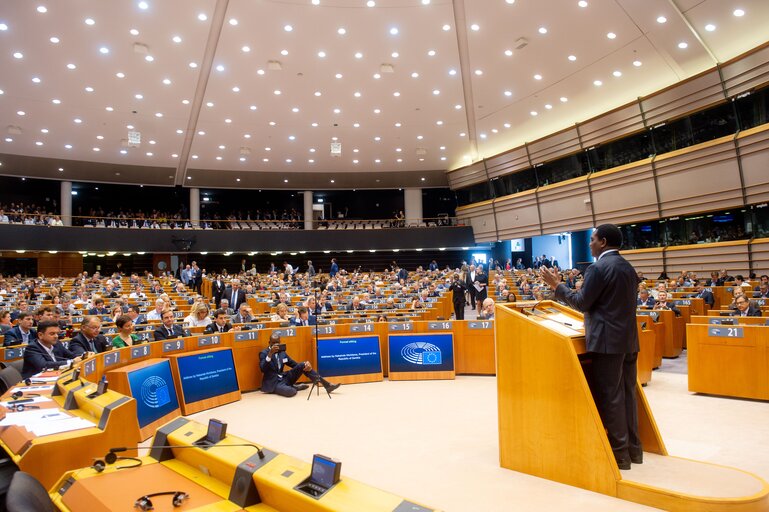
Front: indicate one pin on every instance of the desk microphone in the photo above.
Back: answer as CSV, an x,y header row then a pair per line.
x,y
113,451
531,311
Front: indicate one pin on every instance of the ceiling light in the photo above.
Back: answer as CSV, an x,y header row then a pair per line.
x,y
245,49
478,72
564,99
458,107
272,123
54,101
572,58
358,55
637,63
284,52
370,3
38,143
54,40
210,104
337,111
71,66
101,137
202,17
179,131
167,81
611,35
42,9
582,3
134,32
483,135
158,114
508,93
396,94
138,96
475,27
120,74
193,65
287,28
533,113
377,76
339,75
90,21
123,152
291,137
509,53
233,22
739,13
18,55
259,71
394,31
185,102
661,19
548,106
218,157
683,45
597,83
8,139
143,6
104,50
61,169
395,55
3,27
220,68
462,134
420,137
617,73
176,39
35,80
21,113
89,89
276,92
537,77
247,136
356,94
446,28
436,92
398,125
355,161
710,27
201,132
97,149
149,153
377,138
321,54
542,30
341,31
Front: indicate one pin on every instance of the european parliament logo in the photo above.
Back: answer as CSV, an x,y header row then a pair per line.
x,y
155,392
422,353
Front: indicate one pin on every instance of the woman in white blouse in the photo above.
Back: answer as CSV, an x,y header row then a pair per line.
x,y
198,316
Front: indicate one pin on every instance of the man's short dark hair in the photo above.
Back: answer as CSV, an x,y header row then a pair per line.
x,y
739,277
47,324
44,309
99,301
23,315
219,312
164,313
611,234
135,309
302,310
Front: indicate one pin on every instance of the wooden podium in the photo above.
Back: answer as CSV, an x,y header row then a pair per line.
x,y
549,425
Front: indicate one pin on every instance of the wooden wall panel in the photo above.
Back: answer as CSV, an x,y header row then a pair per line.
x,y
507,163
59,265
683,98
700,178
624,194
648,261
481,217
466,176
704,258
517,215
746,73
612,125
554,146
760,251
754,152
563,206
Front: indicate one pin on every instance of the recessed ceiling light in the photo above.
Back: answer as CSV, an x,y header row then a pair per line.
x,y
35,80
120,74
89,21
288,28
377,76
431,53
339,75
377,161
436,92
661,19
158,114
97,149
233,22
637,63
247,136
236,89
314,125
18,55
377,138
104,50
284,52
710,27
533,113
144,6
398,125
683,45
739,13
179,131
483,135
130,126
42,9
420,137
394,31
71,66
61,169
537,77
564,99
167,81
134,32
358,55
356,94
276,92
395,55
355,150
272,123
3,27
321,54
201,132
55,101
185,102
446,27
295,110
542,30
341,31
355,161
260,72
475,27
582,3
193,65
509,53
611,35
371,3
202,17
68,146
597,83
291,137
138,96
194,157
572,58
337,111
312,150
78,120
265,159
54,40
478,72
89,89
38,143
508,93
218,157
245,49
123,152
8,139
458,107
109,109
617,73
220,68
396,94
176,39
425,2
548,106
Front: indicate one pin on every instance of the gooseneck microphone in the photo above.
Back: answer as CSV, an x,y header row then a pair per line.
x,y
259,450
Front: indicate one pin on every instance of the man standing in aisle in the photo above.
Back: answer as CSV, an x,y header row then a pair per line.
x,y
608,300
470,285
458,289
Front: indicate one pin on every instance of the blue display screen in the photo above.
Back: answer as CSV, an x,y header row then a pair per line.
x,y
349,356
421,352
207,375
323,471
154,391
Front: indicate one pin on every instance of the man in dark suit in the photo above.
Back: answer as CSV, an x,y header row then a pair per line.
x,y
275,380
46,351
168,330
303,318
234,295
458,289
217,290
403,274
89,339
470,285
355,305
136,317
98,308
23,333
244,315
706,296
644,299
221,323
196,277
608,300
334,269
663,303
744,307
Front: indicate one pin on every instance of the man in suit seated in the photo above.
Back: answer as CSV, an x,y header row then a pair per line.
x,y
663,304
644,299
23,333
303,318
221,323
275,380
98,308
244,316
355,305
89,339
705,295
487,309
764,280
46,351
745,308
762,292
157,313
224,304
136,317
168,330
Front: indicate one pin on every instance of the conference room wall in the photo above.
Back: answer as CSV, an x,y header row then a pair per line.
x,y
760,255
747,71
502,164
754,154
562,143
565,204
481,219
705,258
517,215
678,100
648,261
612,125
624,194
473,173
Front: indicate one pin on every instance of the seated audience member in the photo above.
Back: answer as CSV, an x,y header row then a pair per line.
x,y
44,313
303,318
5,322
46,351
663,304
98,308
740,281
382,318
23,308
764,280
157,313
221,323
23,333
312,306
225,305
168,329
137,293
702,293
762,293
116,313
136,317
125,336
198,316
355,305
244,315
745,308
281,314
275,380
487,309
737,292
89,339
644,299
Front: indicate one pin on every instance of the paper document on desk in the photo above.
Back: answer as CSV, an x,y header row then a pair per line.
x,y
559,328
573,322
26,418
46,428
41,378
35,400
32,389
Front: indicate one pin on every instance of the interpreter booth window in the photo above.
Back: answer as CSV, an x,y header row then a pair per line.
x,y
722,226
753,108
642,235
632,148
759,220
695,128
566,168
474,193
514,183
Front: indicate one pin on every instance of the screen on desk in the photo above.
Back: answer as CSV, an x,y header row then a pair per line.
x,y
207,375
353,355
421,352
325,472
154,391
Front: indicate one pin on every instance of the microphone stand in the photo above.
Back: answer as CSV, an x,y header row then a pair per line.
x,y
316,382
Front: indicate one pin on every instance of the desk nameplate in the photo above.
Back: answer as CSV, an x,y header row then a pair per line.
x,y
173,346
207,341
725,332
482,324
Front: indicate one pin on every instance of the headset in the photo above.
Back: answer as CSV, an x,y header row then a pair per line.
x,y
22,407
18,394
177,499
110,458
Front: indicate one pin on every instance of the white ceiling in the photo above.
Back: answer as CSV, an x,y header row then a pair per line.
x,y
484,108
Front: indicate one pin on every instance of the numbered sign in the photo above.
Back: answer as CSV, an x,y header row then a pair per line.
x,y
146,335
286,332
255,326
89,367
246,336
682,302
404,326
178,314
761,302
14,353
725,332
652,314
439,326
326,329
362,328
111,358
140,351
481,324
173,346
207,341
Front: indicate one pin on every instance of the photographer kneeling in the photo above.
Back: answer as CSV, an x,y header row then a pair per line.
x,y
275,380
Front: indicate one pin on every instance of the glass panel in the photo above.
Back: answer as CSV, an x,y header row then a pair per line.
x,y
760,220
753,109
699,127
641,235
514,183
563,169
474,193
620,152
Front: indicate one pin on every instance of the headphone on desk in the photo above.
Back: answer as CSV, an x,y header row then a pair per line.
x,y
100,464
22,407
145,503
18,394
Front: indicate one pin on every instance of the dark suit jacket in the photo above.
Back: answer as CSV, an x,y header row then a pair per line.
x,y
752,311
36,359
608,300
14,337
482,279
212,328
311,320
672,307
161,333
648,304
271,369
235,302
469,283
98,311
217,290
707,297
79,344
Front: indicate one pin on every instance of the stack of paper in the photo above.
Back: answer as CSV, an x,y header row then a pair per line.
x,y
43,422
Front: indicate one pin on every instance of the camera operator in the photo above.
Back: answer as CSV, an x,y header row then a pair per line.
x,y
275,380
